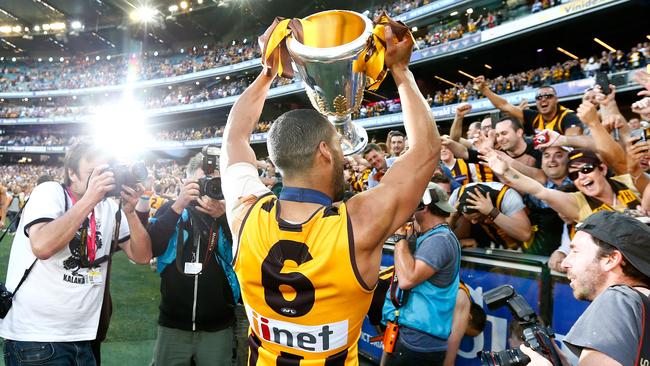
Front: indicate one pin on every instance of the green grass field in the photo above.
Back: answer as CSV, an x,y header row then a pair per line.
x,y
135,292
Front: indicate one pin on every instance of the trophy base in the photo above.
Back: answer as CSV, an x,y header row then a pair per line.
x,y
355,137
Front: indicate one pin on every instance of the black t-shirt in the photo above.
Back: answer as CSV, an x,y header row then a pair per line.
x,y
570,120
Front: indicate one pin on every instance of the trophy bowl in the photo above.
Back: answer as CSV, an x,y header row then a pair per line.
x,y
326,61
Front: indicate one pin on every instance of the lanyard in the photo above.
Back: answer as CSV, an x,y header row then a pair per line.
x,y
296,194
88,245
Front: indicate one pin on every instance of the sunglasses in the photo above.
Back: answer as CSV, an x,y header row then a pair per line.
x,y
585,169
544,96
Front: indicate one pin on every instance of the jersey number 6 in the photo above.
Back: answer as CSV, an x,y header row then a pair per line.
x,y
272,279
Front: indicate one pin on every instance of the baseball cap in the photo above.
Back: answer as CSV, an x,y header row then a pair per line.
x,y
627,234
583,156
436,195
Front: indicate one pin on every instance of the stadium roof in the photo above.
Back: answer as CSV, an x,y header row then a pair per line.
x,y
108,25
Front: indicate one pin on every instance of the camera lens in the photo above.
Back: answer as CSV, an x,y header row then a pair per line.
x,y
212,188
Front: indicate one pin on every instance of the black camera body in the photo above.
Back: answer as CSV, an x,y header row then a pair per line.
x,y
209,185
127,175
6,300
536,335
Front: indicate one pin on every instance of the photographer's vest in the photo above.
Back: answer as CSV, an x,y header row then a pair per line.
x,y
623,195
429,308
303,294
494,231
554,124
463,175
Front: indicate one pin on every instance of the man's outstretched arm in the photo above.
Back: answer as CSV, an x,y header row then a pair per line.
x,y
243,118
394,200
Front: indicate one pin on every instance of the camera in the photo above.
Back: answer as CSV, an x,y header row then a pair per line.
x,y
6,299
127,175
643,133
537,336
210,186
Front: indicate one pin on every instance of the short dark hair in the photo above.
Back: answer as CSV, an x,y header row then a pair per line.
x,y
547,86
605,249
478,318
294,138
394,133
516,125
78,151
440,178
371,147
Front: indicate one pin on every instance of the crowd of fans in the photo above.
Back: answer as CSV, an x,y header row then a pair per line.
x,y
560,72
87,71
569,175
161,98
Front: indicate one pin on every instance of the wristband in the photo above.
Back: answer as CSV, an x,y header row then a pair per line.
x,y
494,213
399,237
145,197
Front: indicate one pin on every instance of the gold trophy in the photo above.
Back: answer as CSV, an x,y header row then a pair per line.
x,y
336,52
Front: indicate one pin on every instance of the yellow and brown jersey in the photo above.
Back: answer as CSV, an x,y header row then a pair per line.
x,y
562,121
303,294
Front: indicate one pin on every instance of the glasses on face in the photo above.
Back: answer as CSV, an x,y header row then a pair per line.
x,y
585,169
545,96
420,207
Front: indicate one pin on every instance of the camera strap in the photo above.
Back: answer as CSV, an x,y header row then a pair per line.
x,y
88,242
213,238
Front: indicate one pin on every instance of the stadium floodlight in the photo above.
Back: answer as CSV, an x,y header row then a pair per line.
x,y
414,29
183,4
37,28
469,11
75,24
143,14
57,26
108,57
155,53
60,59
40,59
199,2
5,29
13,59
173,8
17,29
50,59
453,13
46,27
97,58
110,121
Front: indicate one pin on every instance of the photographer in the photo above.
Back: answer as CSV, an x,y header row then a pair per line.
x,y
199,290
609,266
66,237
429,279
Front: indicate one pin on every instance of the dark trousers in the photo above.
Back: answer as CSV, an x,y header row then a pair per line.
x,y
18,353
404,356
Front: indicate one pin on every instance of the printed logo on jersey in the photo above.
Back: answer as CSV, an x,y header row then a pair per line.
x,y
309,338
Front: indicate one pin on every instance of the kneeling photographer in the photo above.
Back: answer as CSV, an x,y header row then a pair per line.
x,y
609,266
60,261
191,238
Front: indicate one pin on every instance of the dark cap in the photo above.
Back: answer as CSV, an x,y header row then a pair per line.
x,y
627,234
583,156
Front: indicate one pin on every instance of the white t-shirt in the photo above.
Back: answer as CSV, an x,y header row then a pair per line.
x,y
57,302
